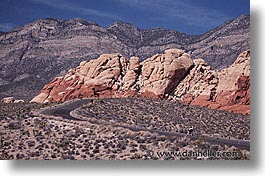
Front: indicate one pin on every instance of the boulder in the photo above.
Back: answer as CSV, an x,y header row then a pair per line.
x,y
19,101
8,100
40,98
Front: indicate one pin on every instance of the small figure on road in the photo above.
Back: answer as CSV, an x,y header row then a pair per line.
x,y
190,130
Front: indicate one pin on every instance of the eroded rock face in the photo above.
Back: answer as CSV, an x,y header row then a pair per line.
x,y
228,89
161,73
112,75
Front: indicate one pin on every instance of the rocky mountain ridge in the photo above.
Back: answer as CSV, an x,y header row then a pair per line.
x,y
33,54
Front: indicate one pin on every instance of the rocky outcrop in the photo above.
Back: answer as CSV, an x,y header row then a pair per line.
x,y
227,89
172,74
11,100
112,75
8,100
199,82
161,73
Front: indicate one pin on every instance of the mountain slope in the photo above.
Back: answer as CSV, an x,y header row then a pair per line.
x,y
218,46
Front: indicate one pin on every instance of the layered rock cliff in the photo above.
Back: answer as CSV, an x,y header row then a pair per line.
x,y
33,54
172,75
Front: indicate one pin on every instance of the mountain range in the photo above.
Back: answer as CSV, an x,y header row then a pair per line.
x,y
33,54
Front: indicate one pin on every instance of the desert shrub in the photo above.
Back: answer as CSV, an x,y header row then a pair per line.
x,y
136,156
78,131
41,123
14,125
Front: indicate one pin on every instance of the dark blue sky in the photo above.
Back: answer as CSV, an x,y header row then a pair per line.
x,y
189,16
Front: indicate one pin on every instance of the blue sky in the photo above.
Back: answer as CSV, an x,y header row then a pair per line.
x,y
189,16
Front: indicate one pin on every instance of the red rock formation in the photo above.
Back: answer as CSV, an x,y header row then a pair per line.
x,y
228,89
191,82
111,75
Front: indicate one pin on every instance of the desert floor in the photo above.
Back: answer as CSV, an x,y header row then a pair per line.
x,y
119,129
